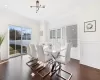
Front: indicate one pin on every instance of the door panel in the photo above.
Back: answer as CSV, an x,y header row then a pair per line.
x,y
26,37
71,32
18,39
12,47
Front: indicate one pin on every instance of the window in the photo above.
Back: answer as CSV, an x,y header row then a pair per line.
x,y
19,38
58,33
52,34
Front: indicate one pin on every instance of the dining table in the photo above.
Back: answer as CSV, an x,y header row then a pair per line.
x,y
54,54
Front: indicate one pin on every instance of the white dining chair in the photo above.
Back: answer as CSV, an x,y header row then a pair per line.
x,y
44,57
56,48
31,51
61,59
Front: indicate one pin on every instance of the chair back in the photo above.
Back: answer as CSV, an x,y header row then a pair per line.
x,y
68,51
57,46
33,50
40,52
29,51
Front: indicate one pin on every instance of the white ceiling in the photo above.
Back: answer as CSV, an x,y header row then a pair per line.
x,y
54,8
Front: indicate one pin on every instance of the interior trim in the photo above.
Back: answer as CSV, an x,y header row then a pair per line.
x,y
4,61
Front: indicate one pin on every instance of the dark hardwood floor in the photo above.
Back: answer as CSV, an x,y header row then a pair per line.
x,y
16,69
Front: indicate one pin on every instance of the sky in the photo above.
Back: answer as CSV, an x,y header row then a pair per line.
x,y
23,29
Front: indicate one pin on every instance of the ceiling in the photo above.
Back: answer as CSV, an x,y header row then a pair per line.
x,y
54,8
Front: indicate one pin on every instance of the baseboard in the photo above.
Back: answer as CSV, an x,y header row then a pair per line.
x,y
4,61
89,66
17,56
84,64
75,59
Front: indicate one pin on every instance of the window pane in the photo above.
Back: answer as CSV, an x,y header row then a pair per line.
x,y
58,33
18,33
54,34
18,39
12,33
24,37
63,33
12,47
28,34
50,34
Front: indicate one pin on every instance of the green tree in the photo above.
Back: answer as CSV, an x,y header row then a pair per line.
x,y
1,39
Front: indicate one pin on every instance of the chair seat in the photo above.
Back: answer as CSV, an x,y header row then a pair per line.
x,y
61,59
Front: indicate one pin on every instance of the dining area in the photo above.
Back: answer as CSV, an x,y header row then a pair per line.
x,y
46,60
59,42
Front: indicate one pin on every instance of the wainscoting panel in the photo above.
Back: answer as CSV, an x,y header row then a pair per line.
x,y
90,53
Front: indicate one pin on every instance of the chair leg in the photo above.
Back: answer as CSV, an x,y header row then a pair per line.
x,y
42,66
43,76
29,61
34,62
54,69
65,72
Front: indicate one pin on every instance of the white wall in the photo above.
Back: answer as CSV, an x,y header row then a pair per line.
x,y
88,50
8,17
90,41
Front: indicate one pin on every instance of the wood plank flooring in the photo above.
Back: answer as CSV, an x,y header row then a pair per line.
x,y
16,69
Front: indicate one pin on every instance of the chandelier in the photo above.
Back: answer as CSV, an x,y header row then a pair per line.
x,y
38,6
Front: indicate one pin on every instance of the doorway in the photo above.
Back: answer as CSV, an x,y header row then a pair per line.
x,y
19,38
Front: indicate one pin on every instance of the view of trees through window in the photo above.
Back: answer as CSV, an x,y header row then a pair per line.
x,y
19,39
